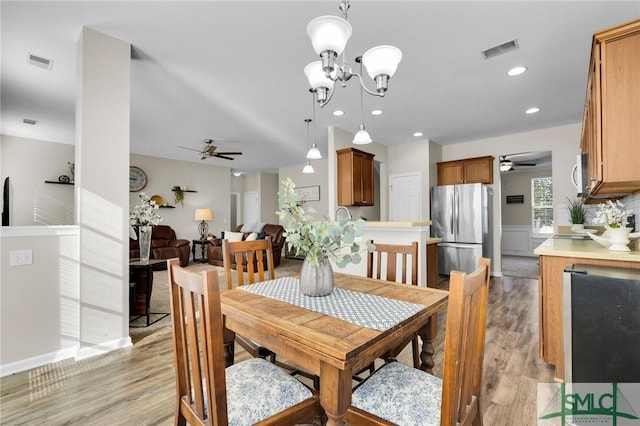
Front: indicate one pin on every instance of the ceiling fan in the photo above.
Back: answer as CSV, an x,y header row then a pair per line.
x,y
507,165
210,150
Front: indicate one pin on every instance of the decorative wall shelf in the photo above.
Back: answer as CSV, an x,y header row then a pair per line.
x,y
167,207
186,190
58,182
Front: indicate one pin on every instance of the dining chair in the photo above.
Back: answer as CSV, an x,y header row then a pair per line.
x,y
249,255
406,258
208,393
399,394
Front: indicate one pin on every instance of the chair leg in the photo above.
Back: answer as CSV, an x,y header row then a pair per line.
x,y
415,347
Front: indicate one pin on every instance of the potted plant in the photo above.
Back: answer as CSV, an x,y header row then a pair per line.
x,y
319,240
145,217
577,213
178,194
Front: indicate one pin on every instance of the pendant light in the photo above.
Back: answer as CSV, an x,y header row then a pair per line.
x,y
308,168
362,136
314,152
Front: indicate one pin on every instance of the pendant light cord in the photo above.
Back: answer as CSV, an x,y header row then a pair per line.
x,y
313,115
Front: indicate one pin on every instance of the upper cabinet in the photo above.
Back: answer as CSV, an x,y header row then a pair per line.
x,y
355,177
611,122
469,170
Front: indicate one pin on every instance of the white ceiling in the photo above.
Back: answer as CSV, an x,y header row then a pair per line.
x,y
233,71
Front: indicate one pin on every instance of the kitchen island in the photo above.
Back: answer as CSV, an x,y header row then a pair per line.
x,y
555,255
402,233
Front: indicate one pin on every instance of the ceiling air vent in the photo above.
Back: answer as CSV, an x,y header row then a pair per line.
x,y
39,61
29,121
500,49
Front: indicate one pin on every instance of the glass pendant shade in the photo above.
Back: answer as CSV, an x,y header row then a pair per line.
x,y
317,77
362,136
314,153
308,168
329,33
381,60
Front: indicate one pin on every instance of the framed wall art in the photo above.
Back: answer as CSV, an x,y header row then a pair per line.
x,y
308,193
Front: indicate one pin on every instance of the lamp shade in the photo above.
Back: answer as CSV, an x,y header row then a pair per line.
x,y
382,60
362,137
329,33
308,168
204,214
314,153
317,77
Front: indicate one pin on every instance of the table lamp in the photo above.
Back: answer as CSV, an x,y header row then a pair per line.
x,y
203,227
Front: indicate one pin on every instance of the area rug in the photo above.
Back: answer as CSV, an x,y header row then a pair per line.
x,y
520,266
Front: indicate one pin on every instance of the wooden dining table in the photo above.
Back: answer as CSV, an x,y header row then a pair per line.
x,y
330,347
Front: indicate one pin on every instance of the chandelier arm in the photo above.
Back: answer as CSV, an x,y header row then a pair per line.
x,y
379,94
329,96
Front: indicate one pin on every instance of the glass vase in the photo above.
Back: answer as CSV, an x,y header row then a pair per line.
x,y
316,280
144,241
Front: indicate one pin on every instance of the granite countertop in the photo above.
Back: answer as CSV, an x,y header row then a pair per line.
x,y
587,249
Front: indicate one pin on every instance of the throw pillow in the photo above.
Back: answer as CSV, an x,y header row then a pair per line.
x,y
233,236
252,236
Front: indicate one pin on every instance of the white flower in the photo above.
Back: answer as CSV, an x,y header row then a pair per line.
x,y
145,214
611,214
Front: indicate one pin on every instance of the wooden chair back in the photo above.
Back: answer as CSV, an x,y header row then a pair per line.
x,y
197,342
254,254
464,346
390,253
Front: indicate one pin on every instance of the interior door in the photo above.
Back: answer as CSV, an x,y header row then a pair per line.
x,y
251,214
405,197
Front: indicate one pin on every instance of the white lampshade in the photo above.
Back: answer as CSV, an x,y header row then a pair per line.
x,y
329,33
505,166
308,168
204,214
314,153
362,137
381,60
317,77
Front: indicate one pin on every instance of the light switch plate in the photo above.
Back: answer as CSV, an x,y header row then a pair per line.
x,y
20,257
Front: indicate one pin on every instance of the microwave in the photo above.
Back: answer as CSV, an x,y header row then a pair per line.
x,y
579,175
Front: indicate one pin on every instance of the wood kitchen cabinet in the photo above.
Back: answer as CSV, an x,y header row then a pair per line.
x,y
355,177
611,127
469,170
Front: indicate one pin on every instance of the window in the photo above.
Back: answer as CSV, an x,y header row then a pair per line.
x,y
542,205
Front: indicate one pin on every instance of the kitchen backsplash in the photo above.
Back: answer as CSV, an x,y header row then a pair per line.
x,y
631,203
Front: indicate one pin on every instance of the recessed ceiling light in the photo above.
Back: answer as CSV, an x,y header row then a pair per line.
x,y
338,113
417,134
376,112
532,110
29,121
516,71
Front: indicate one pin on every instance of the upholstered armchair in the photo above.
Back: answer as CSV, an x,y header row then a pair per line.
x,y
164,245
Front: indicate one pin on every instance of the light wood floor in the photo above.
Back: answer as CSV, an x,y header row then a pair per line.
x,y
135,386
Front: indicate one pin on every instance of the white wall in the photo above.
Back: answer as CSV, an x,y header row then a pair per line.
x,y
28,163
268,197
319,177
212,183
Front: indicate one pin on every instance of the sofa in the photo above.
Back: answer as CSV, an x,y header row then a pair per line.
x,y
164,245
276,232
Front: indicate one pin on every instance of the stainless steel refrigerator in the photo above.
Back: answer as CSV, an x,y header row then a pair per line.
x,y
462,216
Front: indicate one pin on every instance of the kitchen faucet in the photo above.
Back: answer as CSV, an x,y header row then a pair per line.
x,y
345,209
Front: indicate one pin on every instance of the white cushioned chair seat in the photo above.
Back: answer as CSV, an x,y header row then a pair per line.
x,y
257,389
387,391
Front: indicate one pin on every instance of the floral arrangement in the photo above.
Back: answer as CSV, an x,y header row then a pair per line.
x,y
145,214
611,214
315,237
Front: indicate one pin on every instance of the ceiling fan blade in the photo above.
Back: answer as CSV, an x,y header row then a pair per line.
x,y
190,149
229,153
525,164
222,156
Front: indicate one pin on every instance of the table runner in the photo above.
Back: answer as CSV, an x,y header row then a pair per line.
x,y
365,310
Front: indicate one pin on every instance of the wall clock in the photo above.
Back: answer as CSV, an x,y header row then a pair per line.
x,y
137,179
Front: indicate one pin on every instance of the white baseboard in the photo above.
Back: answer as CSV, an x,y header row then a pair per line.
x,y
103,348
37,361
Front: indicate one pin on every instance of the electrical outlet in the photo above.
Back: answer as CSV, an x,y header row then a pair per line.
x,y
20,257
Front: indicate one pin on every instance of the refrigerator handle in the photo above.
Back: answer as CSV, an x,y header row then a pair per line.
x,y
457,200
453,212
